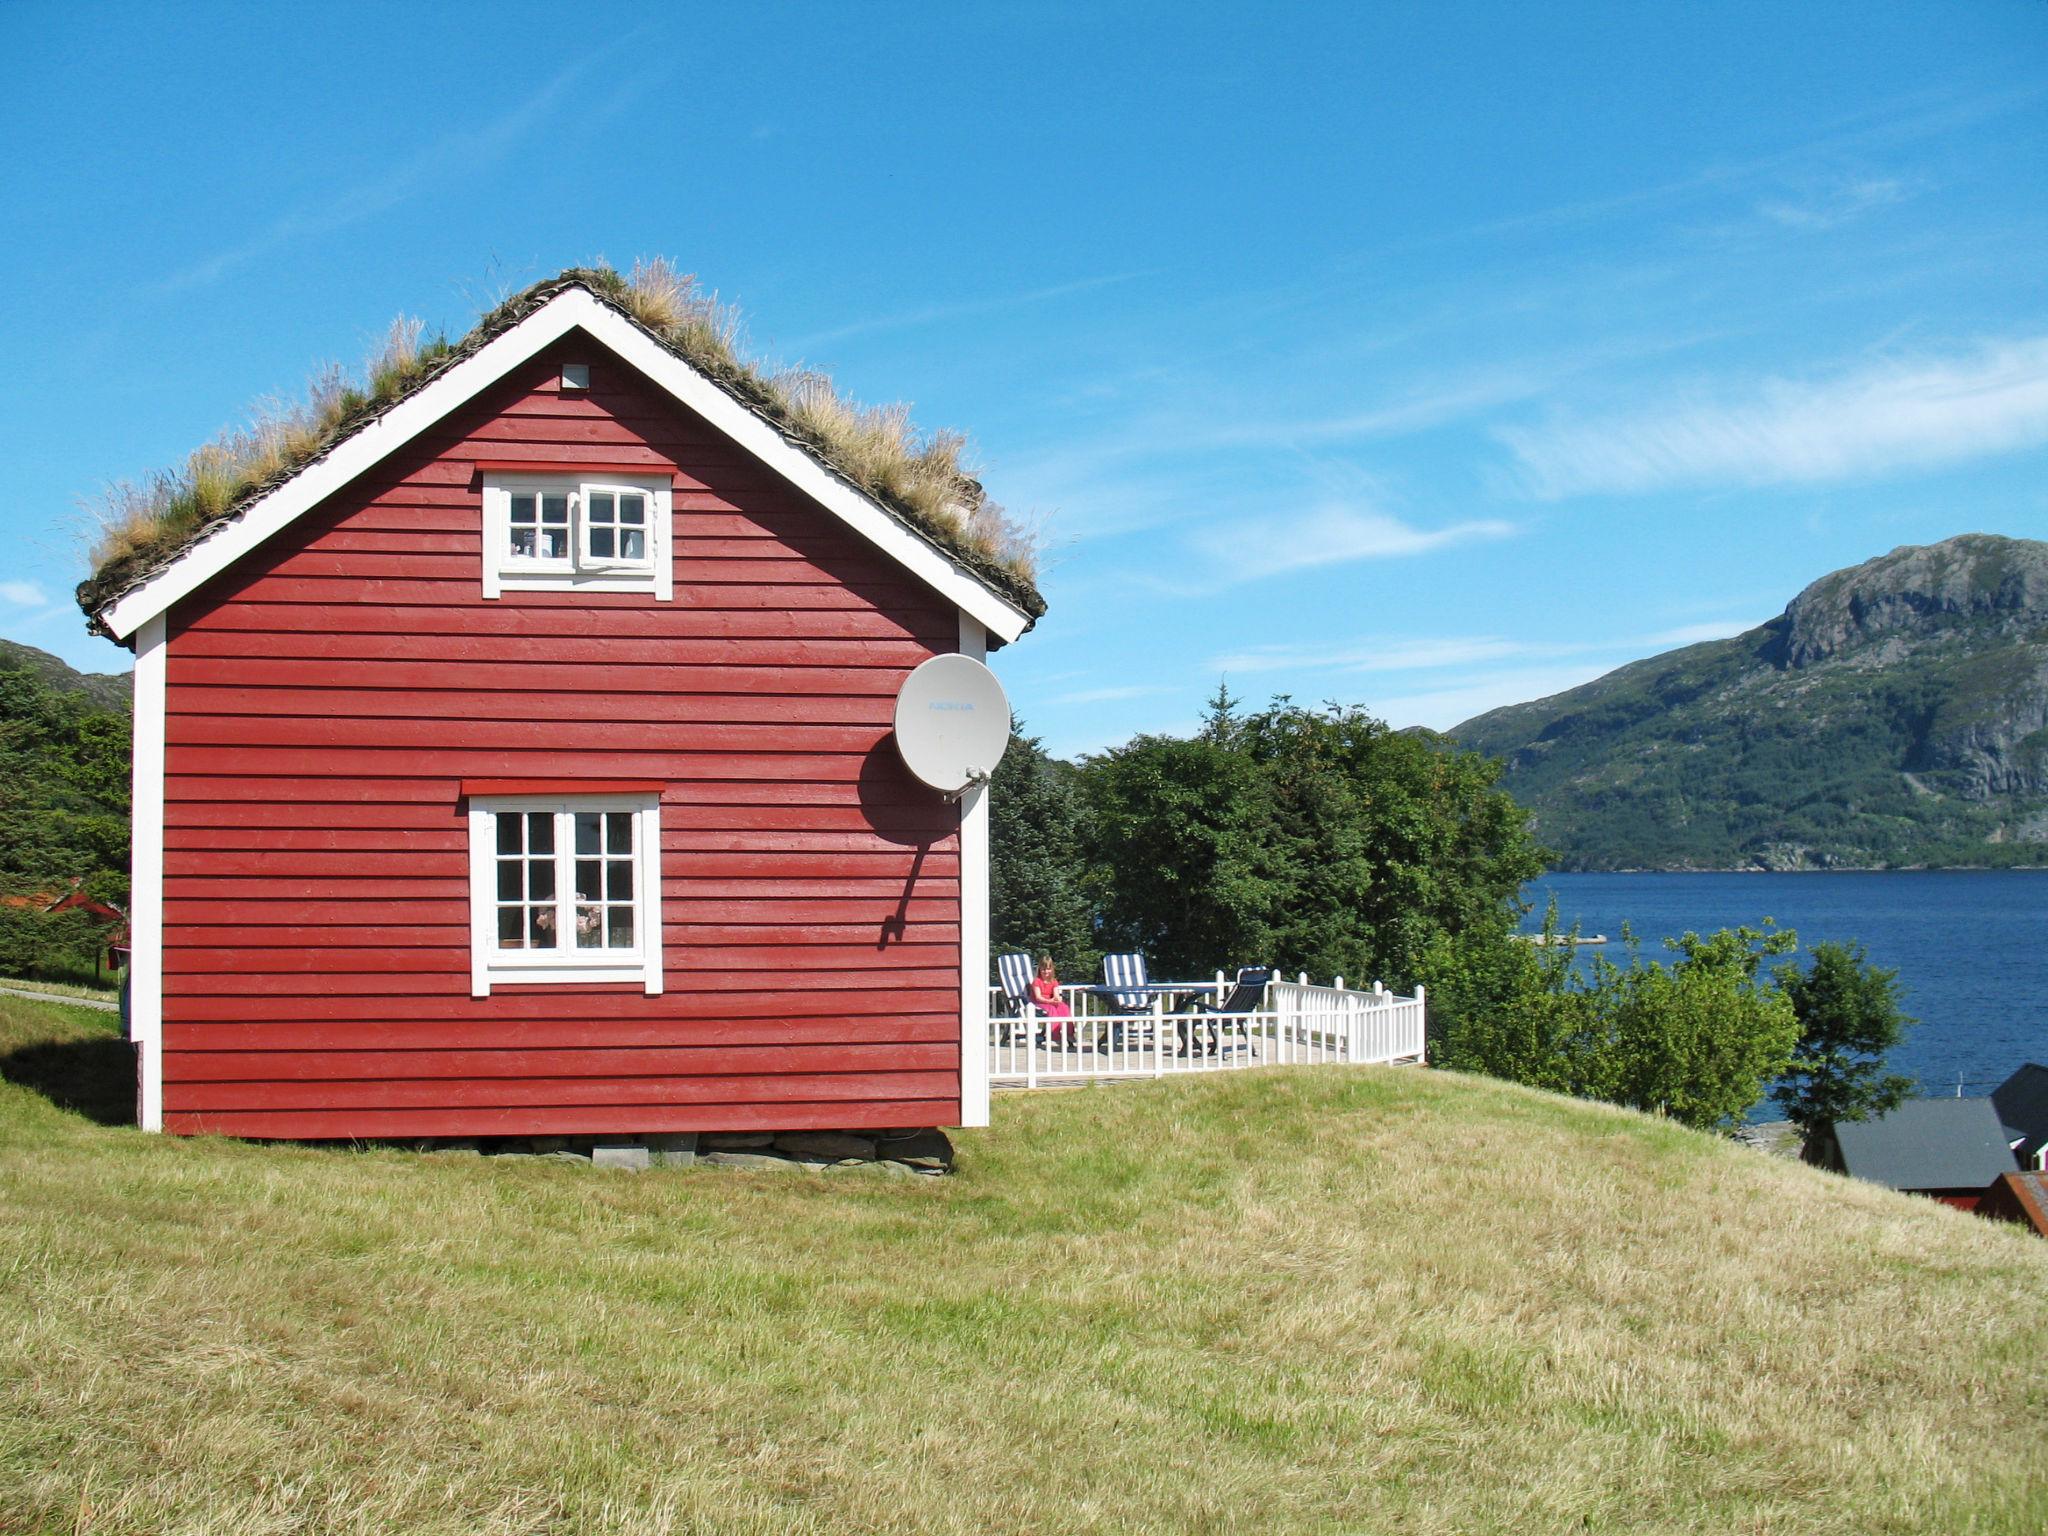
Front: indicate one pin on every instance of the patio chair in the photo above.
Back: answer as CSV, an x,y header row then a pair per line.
x,y
1125,971
1244,997
1015,970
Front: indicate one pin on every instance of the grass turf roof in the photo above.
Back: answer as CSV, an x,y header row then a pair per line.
x,y
919,479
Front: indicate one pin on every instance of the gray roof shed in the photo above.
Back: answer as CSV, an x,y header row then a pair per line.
x,y
1928,1144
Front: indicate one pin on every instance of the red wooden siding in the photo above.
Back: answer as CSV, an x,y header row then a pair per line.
x,y
328,695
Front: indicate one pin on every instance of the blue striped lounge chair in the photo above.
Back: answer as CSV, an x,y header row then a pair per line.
x,y
1015,970
1126,971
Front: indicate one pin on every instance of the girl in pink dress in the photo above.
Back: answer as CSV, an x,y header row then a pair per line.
x,y
1045,997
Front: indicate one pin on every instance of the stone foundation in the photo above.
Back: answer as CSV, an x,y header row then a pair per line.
x,y
900,1153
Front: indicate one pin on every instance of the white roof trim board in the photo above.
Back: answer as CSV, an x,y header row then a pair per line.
x,y
569,310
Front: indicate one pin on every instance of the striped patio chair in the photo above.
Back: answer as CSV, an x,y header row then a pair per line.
x,y
1126,971
1015,970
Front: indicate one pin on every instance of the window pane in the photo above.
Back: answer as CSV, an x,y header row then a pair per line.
x,y
600,506
540,831
522,509
620,934
632,544
618,832
554,508
590,928
508,834
523,542
508,880
554,544
632,508
540,878
618,880
540,929
511,927
586,831
587,876
600,544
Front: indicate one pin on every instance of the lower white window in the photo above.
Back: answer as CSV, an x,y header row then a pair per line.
x,y
564,888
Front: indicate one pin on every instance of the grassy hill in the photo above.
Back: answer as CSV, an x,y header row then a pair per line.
x,y
1289,1301
1895,714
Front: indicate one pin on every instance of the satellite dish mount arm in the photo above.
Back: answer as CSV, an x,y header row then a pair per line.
x,y
977,778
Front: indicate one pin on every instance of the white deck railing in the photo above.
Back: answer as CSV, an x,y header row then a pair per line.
x,y
1299,1025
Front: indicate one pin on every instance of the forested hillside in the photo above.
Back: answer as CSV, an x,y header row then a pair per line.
x,y
1895,714
64,745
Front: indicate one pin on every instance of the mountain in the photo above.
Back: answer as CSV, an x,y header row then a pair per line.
x,y
104,691
1896,713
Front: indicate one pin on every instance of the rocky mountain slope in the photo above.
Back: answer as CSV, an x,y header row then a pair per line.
x,y
103,690
1895,714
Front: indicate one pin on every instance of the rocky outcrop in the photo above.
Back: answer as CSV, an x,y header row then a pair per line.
x,y
1976,579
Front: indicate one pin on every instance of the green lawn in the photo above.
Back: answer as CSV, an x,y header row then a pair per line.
x,y
1303,1300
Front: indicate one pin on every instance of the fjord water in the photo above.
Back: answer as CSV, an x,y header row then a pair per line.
x,y
1970,946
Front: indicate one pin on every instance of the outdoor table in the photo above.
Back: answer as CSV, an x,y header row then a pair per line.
x,y
1171,990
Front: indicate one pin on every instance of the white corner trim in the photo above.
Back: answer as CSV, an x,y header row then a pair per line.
x,y
572,308
974,920
146,874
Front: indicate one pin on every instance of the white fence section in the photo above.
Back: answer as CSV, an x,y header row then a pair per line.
x,y
1297,1025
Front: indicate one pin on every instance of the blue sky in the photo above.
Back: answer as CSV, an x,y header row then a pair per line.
x,y
1427,357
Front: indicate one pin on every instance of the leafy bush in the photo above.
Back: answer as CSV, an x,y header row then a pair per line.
x,y
1697,1039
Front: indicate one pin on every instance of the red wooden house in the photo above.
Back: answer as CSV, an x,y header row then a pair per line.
x,y
522,764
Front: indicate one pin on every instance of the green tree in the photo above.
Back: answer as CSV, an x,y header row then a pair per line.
x,y
1849,1017
1507,1008
64,805
1181,837
1699,1039
1314,840
1389,838
1038,898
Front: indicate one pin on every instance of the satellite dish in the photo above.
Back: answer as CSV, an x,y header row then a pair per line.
x,y
952,723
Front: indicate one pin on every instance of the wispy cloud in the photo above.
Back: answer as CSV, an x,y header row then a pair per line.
x,y
930,314
1392,653
1695,634
1442,708
1892,416
1831,206
23,594
1113,695
1333,534
1372,654
455,155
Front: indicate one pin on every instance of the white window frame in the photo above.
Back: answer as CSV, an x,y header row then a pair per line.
x,y
578,571
491,966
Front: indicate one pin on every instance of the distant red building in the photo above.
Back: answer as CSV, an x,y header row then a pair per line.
x,y
523,765
2020,1197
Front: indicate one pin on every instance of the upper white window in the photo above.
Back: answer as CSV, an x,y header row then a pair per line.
x,y
564,888
551,533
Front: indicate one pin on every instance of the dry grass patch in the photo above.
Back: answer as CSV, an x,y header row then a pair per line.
x,y
1288,1301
